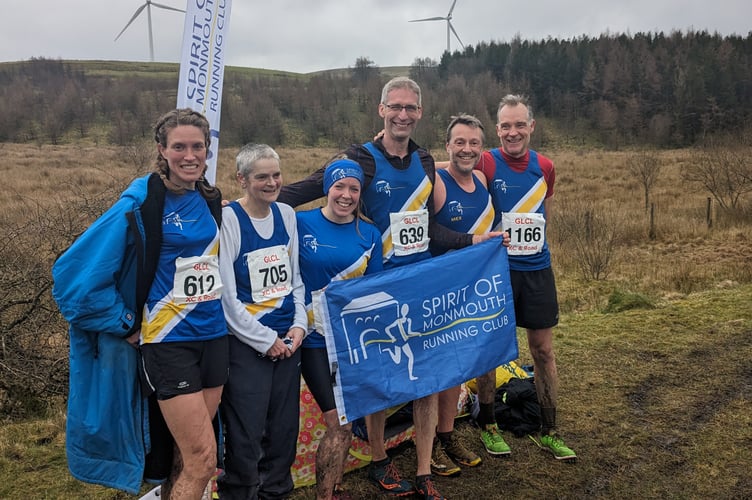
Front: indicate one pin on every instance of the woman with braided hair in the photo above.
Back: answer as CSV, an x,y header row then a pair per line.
x,y
140,289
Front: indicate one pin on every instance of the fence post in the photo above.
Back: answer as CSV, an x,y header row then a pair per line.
x,y
651,231
709,213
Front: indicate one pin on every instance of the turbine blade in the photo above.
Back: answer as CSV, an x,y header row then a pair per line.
x,y
167,7
138,11
455,34
451,9
427,19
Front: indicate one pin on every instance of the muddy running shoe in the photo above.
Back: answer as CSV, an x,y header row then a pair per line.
x,y
441,464
492,440
424,488
388,480
554,444
459,454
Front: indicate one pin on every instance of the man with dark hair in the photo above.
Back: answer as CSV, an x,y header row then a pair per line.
x,y
462,203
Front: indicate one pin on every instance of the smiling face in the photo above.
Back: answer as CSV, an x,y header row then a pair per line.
x,y
399,124
464,147
514,129
185,153
263,182
342,200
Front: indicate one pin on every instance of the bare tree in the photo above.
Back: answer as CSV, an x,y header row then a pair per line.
x,y
33,334
726,173
590,234
645,166
426,71
33,363
139,153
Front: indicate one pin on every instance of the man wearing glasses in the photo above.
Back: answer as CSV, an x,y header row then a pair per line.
x,y
399,179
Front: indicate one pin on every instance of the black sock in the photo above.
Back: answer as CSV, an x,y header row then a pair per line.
x,y
486,415
548,420
444,437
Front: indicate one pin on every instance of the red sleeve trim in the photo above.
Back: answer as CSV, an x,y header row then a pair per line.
x,y
487,165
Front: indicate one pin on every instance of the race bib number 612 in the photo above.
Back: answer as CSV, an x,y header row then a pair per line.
x,y
196,279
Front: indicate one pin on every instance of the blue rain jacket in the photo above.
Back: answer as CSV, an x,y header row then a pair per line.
x,y
100,285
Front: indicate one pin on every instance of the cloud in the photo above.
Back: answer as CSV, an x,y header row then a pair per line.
x,y
305,36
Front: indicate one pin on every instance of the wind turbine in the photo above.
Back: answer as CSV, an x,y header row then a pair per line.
x,y
147,6
448,20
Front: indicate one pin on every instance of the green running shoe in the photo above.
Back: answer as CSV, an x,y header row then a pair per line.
x,y
492,440
554,444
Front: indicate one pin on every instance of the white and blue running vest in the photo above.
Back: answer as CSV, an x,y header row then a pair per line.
x,y
465,212
278,314
392,190
188,230
521,192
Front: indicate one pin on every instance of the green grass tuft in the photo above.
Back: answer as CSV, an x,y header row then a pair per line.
x,y
620,301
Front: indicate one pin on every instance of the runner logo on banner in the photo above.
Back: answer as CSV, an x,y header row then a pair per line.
x,y
202,67
408,332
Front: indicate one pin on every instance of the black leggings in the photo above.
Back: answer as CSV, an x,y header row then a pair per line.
x,y
314,365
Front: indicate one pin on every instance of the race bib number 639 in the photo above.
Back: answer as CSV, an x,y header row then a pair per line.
x,y
409,231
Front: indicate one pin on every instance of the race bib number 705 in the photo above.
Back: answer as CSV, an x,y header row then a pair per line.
x,y
270,273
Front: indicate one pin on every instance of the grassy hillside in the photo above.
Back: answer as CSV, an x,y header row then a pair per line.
x,y
169,70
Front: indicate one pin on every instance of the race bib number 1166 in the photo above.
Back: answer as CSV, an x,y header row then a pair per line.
x,y
527,232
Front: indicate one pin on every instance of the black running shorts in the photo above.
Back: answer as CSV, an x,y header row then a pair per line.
x,y
174,368
535,303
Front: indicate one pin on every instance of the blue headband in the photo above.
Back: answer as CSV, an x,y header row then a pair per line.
x,y
339,170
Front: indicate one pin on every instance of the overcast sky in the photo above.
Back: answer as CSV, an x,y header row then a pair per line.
x,y
307,35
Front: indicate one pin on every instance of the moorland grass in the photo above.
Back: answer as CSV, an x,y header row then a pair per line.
x,y
655,359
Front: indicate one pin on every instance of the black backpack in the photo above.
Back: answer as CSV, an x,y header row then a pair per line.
x,y
516,407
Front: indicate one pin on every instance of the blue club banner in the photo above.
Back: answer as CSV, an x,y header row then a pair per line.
x,y
408,332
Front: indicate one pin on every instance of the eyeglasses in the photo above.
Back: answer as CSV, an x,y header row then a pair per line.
x,y
410,108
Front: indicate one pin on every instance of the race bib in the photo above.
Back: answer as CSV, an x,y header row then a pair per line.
x,y
526,232
270,273
409,231
196,280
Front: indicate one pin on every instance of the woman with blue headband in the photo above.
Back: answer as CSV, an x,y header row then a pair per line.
x,y
335,243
